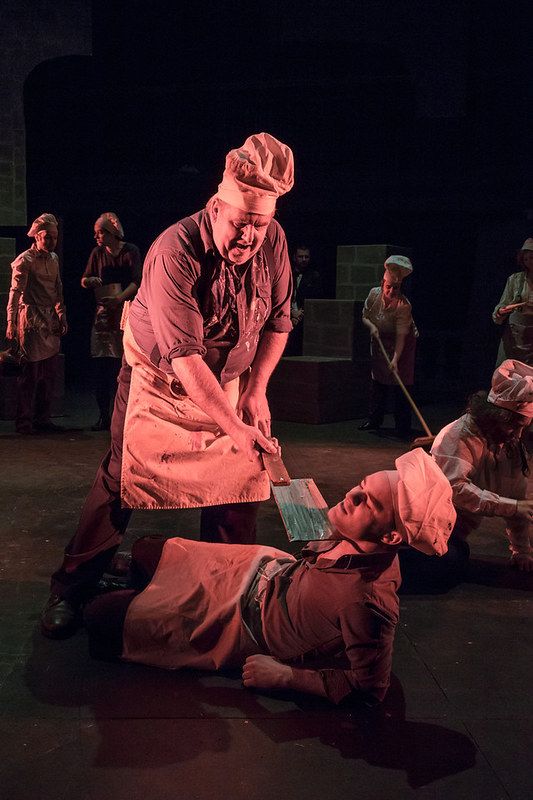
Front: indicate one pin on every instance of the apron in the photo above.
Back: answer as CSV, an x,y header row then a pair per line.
x,y
106,335
517,338
190,615
175,455
38,332
406,364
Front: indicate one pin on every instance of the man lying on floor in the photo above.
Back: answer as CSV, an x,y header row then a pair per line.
x,y
322,624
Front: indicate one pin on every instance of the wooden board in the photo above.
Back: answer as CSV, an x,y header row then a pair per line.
x,y
303,510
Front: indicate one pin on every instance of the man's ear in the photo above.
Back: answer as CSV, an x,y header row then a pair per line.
x,y
215,210
392,538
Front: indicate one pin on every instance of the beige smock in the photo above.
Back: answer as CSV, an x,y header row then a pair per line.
x,y
175,455
391,319
35,304
485,481
190,615
517,327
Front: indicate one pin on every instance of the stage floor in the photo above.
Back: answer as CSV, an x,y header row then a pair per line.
x,y
457,722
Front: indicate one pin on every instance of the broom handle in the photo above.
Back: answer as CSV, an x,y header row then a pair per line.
x,y
403,388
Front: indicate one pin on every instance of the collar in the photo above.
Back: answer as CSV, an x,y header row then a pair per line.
x,y
377,562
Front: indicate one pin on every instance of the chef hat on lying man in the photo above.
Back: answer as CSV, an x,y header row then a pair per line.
x,y
512,387
110,223
424,515
45,222
399,266
256,174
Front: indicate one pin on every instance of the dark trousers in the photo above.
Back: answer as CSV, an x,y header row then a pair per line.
x,y
105,384
35,385
379,392
103,521
104,616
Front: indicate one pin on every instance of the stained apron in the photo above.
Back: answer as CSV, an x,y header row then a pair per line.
x,y
190,615
106,333
517,338
406,364
175,455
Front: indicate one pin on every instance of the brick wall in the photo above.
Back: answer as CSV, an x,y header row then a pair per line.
x,y
360,267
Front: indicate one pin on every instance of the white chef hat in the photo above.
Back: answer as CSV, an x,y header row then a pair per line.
x,y
44,222
528,244
399,266
512,387
256,174
110,223
422,500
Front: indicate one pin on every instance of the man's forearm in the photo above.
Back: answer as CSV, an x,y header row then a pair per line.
x,y
204,390
306,680
269,351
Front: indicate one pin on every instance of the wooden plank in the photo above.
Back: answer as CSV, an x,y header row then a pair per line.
x,y
303,511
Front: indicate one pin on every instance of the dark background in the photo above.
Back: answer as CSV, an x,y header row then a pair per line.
x,y
409,121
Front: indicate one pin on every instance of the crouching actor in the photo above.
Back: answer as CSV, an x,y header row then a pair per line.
x,y
323,623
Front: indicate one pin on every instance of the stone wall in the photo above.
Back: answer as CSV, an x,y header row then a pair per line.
x,y
32,32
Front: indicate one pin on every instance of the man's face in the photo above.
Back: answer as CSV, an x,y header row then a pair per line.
x,y
46,240
302,257
366,512
237,234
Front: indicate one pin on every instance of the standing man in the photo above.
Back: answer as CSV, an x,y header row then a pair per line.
x,y
36,320
205,331
307,285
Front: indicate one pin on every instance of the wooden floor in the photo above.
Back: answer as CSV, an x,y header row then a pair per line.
x,y
456,724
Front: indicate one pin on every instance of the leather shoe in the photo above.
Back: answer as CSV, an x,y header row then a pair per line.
x,y
60,618
368,425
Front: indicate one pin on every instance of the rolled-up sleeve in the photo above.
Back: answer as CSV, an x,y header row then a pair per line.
x,y
19,280
279,319
368,636
460,460
170,296
510,294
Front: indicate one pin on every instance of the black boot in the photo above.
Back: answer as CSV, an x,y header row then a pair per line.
x,y
60,618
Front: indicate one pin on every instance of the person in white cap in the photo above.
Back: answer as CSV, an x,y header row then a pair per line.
x,y
113,271
514,312
483,456
322,624
388,316
36,321
205,331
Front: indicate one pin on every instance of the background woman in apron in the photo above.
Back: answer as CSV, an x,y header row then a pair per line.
x,y
114,272
387,314
515,311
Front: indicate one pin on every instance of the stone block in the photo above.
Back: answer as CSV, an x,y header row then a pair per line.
x,y
7,246
371,252
346,254
345,293
370,274
361,292
343,273
318,390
